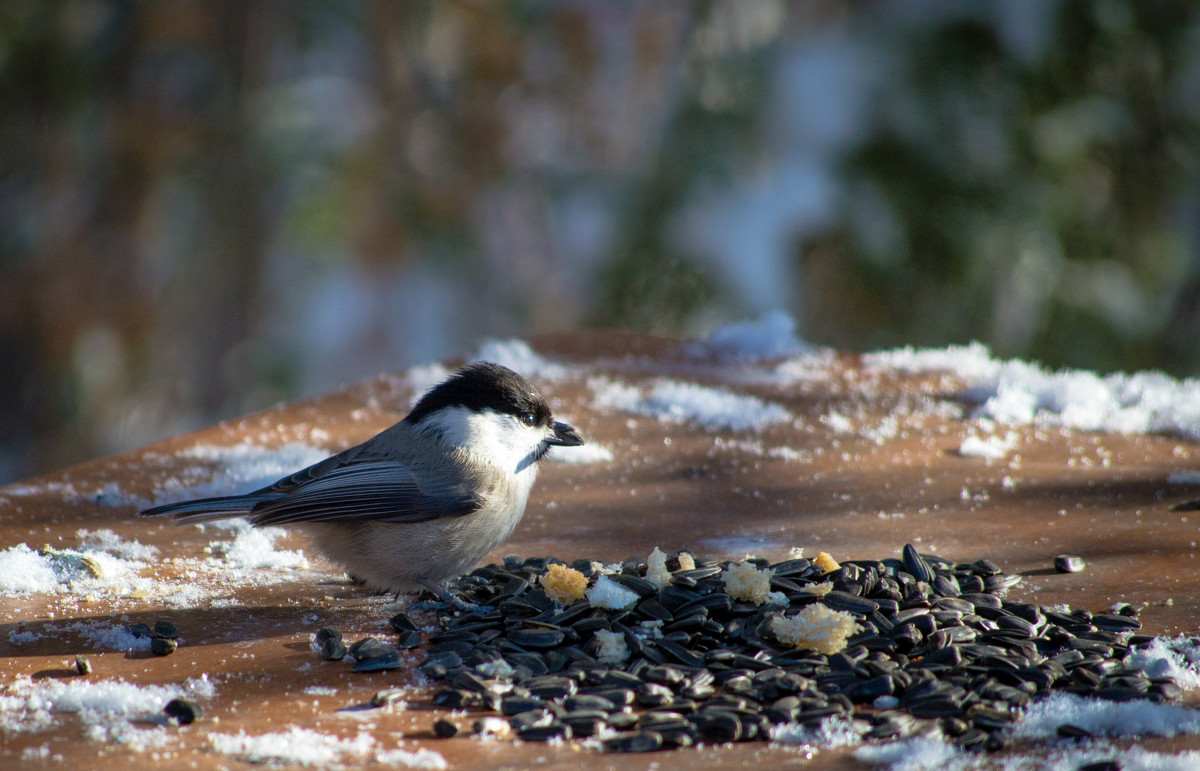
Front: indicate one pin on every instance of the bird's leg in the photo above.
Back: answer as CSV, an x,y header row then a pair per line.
x,y
447,597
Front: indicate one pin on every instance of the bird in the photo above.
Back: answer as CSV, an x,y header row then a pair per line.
x,y
420,503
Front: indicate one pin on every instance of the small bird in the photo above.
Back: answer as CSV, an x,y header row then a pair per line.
x,y
422,502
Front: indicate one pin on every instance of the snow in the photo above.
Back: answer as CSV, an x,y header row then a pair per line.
x,y
254,547
107,541
116,637
990,447
1015,392
1106,718
920,753
1175,657
234,469
771,336
917,754
827,734
105,708
518,356
673,401
297,745
24,571
305,747
587,453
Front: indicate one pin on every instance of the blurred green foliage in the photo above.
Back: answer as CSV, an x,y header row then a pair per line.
x,y
209,207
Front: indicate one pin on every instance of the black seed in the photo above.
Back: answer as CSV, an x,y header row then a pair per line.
x,y
444,729
515,705
640,741
455,698
653,609
183,711
325,633
82,665
1068,731
971,738
1066,563
637,584
849,602
333,649
161,646
165,629
915,564
869,690
368,648
620,697
1001,582
589,702
946,586
718,726
583,726
679,653
390,660
544,733
140,630
1115,622
402,623
937,706
664,674
794,567
673,597
536,637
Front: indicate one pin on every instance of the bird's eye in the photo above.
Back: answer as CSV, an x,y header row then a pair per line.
x,y
528,419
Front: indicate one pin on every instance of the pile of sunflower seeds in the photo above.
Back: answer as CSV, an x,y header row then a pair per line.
x,y
935,642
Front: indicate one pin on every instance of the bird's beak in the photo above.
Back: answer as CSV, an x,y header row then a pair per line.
x,y
564,436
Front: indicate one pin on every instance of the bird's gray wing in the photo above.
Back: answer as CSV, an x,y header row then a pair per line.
x,y
379,490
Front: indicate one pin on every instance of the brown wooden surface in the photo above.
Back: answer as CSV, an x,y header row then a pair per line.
x,y
1104,497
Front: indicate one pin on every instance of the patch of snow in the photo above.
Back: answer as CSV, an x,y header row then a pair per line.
x,y
1184,478
1018,392
992,447
1105,718
771,336
518,356
1175,657
587,453
828,734
107,541
300,746
115,637
254,547
105,707
914,754
24,571
672,401
424,377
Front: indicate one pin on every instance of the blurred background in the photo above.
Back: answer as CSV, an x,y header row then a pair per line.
x,y
208,207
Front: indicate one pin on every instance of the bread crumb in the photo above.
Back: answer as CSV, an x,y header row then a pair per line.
x,y
562,584
743,581
686,561
818,590
817,627
656,568
611,648
826,562
607,593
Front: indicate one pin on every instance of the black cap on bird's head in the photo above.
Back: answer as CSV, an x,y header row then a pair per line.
x,y
484,385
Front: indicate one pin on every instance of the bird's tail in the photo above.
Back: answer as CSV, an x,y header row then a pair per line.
x,y
207,509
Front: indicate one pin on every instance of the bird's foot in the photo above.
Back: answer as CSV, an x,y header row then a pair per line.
x,y
447,599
